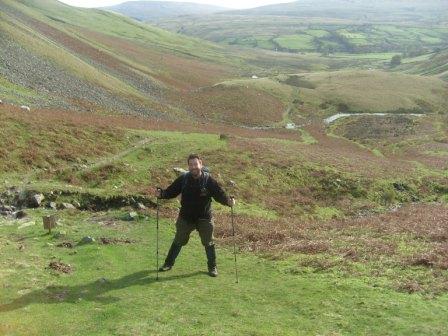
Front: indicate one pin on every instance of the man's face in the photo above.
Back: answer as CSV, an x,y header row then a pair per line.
x,y
195,166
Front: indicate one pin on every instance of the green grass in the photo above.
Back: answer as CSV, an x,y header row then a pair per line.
x,y
295,42
271,298
16,93
120,26
373,91
307,137
316,34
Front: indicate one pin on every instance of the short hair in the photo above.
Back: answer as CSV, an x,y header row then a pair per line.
x,y
192,157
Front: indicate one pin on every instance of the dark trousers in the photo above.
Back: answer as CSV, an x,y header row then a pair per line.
x,y
183,230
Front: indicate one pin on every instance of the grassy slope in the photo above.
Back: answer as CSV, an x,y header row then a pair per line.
x,y
435,64
115,25
325,35
379,91
315,95
305,277
112,52
268,300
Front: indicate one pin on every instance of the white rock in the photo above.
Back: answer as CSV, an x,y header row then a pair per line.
x,y
25,108
179,171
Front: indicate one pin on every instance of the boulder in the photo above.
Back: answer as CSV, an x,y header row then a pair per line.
x,y
141,206
36,200
103,281
86,240
59,234
232,183
5,213
66,206
130,216
179,171
19,214
7,208
25,108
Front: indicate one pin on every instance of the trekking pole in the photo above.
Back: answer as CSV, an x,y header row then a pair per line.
x,y
157,235
234,242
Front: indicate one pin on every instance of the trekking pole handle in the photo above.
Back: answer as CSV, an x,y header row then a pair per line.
x,y
233,201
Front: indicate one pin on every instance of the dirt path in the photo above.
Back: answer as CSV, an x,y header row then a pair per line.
x,y
104,161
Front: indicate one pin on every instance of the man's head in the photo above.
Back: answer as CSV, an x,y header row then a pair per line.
x,y
194,165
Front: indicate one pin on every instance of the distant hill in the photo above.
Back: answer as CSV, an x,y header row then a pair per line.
x,y
435,64
153,10
327,27
95,60
373,11
99,61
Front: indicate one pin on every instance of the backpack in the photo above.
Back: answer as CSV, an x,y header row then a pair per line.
x,y
206,173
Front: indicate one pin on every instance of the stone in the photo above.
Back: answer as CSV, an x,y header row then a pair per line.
x,y
7,208
19,214
179,171
141,206
130,216
66,206
59,234
35,200
53,205
232,183
86,240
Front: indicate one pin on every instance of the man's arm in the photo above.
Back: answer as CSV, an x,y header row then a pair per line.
x,y
173,190
218,194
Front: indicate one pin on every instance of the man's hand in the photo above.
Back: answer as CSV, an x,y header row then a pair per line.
x,y
158,192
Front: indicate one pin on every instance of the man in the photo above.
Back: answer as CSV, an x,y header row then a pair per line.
x,y
197,188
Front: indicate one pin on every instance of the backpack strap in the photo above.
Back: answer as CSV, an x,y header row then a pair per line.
x,y
185,180
204,179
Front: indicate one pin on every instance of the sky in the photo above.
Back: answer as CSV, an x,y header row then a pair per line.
x,y
223,3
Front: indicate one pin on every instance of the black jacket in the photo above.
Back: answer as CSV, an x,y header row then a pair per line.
x,y
195,203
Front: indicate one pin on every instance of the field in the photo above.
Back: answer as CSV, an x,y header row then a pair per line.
x,y
305,251
341,226
325,36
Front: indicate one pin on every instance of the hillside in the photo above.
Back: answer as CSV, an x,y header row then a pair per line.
x,y
153,10
377,11
338,163
92,59
313,218
327,27
435,64
312,34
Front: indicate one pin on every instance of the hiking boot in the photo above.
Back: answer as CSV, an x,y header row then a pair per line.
x,y
165,268
213,271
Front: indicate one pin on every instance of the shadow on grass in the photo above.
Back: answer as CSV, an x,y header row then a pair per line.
x,y
92,291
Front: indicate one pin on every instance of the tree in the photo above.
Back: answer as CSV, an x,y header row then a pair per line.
x,y
395,61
